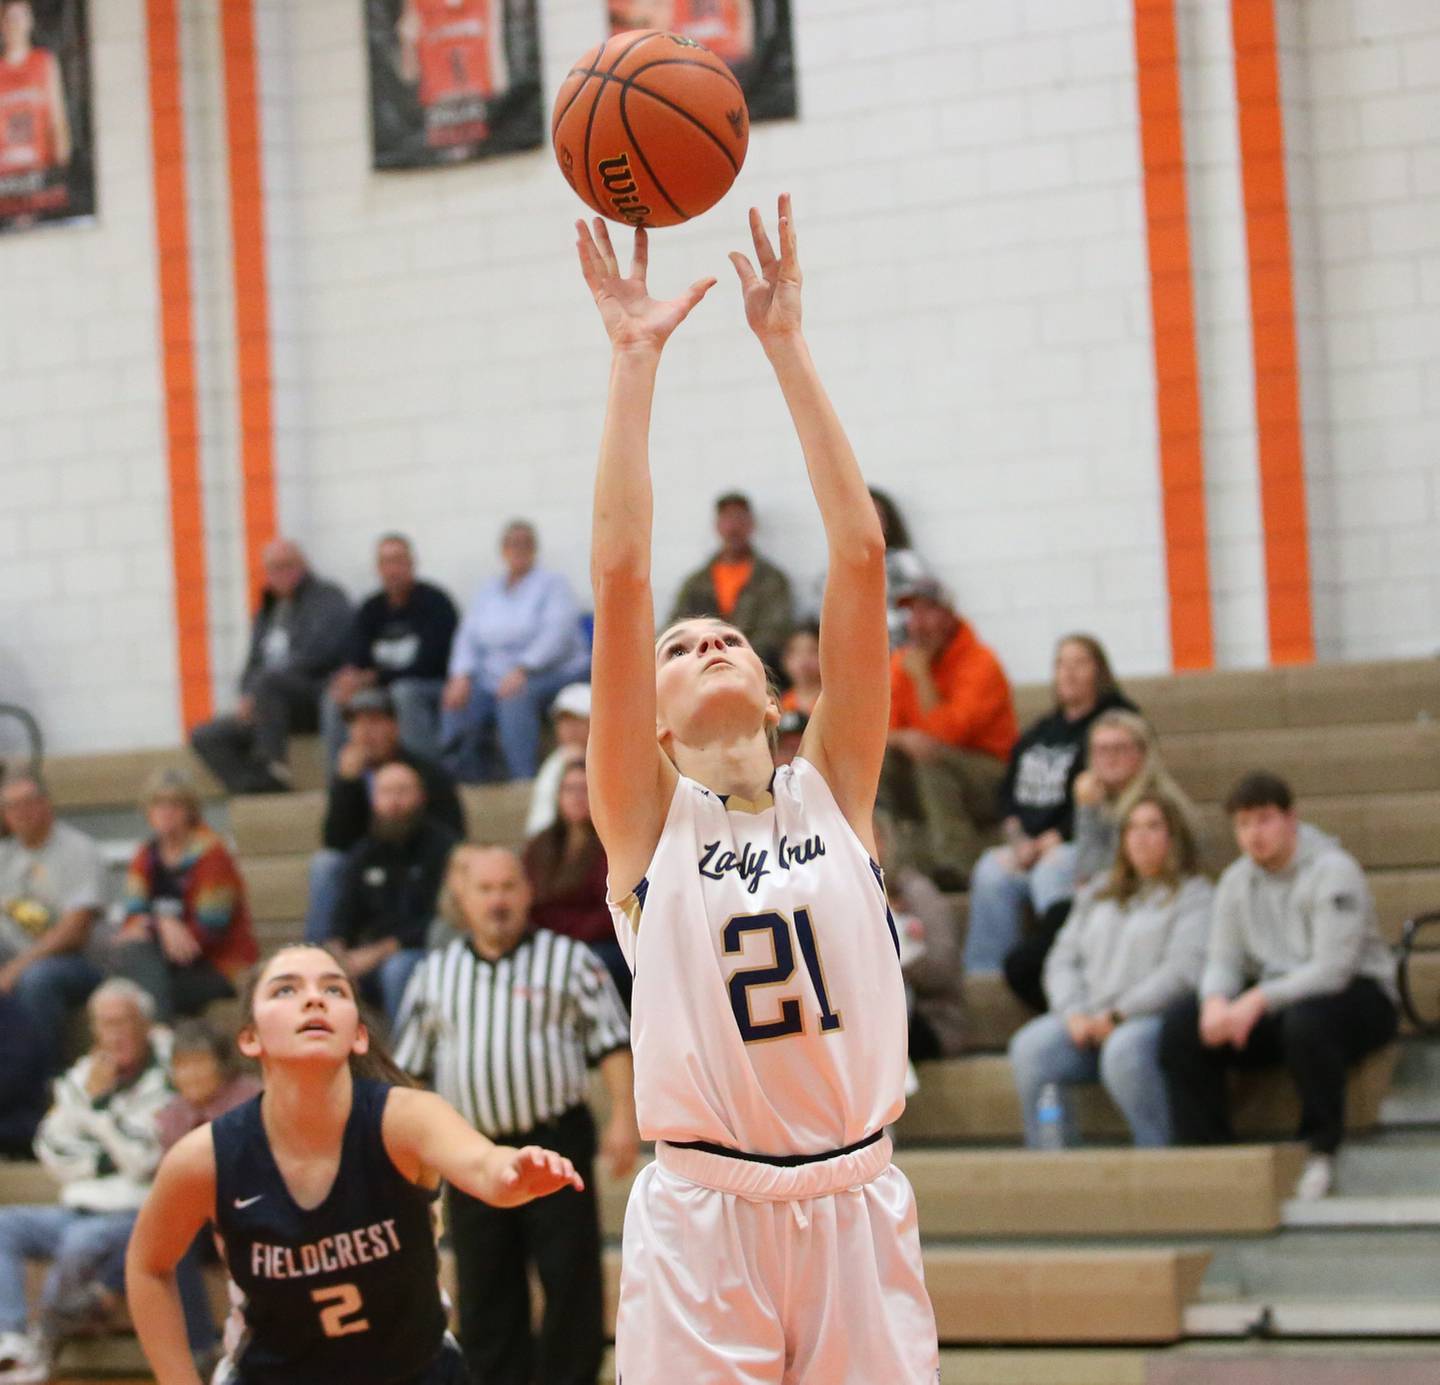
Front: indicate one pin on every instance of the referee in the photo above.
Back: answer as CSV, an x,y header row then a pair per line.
x,y
506,1019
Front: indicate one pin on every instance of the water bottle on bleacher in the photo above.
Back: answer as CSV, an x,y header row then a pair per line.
x,y
1050,1117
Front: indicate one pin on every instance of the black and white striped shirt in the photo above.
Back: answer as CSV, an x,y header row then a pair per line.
x,y
508,1042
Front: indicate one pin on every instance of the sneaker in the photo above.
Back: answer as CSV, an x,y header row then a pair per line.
x,y
1317,1179
23,1360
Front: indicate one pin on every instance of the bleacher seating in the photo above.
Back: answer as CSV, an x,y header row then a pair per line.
x,y
1109,1245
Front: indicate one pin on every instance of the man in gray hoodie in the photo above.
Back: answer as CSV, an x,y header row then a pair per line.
x,y
1296,973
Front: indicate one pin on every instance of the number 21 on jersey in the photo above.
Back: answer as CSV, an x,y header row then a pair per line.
x,y
785,933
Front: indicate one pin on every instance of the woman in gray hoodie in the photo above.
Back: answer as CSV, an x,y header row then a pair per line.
x,y
1134,942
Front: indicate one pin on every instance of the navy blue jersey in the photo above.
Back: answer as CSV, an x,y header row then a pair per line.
x,y
345,1291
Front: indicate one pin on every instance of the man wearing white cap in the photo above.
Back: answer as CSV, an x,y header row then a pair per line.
x,y
570,715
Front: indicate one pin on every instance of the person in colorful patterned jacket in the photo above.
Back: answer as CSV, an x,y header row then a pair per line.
x,y
187,931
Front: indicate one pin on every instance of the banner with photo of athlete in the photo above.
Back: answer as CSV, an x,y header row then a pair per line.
x,y
47,164
753,36
452,80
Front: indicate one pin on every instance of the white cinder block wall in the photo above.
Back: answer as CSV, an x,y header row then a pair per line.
x,y
87,636
967,183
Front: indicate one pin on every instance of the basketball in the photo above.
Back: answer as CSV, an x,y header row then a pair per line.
x,y
650,129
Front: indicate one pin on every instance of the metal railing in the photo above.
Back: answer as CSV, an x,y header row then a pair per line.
x,y
1421,935
30,728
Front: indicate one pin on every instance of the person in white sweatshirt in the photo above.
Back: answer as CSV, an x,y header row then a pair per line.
x,y
101,1142
1133,944
1297,974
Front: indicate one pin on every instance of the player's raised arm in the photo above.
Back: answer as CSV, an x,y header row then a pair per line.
x,y
631,780
846,737
180,1202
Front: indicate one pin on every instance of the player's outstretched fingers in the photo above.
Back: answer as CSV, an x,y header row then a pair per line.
x,y
640,261
607,251
764,251
789,256
744,269
590,263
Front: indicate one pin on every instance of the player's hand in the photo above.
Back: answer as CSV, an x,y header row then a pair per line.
x,y
634,320
772,297
620,1145
534,1172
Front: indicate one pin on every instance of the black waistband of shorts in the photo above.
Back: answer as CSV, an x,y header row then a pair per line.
x,y
779,1161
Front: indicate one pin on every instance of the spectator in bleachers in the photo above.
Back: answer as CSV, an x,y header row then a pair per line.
x,y
1123,762
373,741
1297,974
390,888
567,871
518,645
187,932
296,642
929,953
952,723
800,662
205,1076
1133,944
400,640
570,718
52,890
1035,868
737,585
100,1141
24,1079
903,566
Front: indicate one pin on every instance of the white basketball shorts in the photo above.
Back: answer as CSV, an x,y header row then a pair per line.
x,y
744,1273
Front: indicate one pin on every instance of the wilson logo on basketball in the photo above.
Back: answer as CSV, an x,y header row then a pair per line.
x,y
567,167
621,190
681,41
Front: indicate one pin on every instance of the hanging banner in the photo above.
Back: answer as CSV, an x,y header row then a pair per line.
x,y
753,36
452,80
47,164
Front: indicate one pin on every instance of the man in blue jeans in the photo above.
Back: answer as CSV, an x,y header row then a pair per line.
x,y
101,1143
52,889
518,645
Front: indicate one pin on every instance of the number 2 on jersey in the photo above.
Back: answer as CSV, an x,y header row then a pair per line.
x,y
339,1319
784,934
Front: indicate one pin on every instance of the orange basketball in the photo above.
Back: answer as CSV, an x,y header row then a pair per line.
x,y
651,128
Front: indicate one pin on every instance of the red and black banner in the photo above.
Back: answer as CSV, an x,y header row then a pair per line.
x,y
753,37
47,158
452,80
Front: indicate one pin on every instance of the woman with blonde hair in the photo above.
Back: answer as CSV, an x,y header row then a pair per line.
x,y
187,931
1123,762
1134,943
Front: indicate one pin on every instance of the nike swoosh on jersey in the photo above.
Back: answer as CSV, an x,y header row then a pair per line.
x,y
242,1203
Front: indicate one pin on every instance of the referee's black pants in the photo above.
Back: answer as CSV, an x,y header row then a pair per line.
x,y
1316,1039
560,1235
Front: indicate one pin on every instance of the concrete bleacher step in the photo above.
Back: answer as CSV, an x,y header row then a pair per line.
x,y
1386,758
114,779
974,1099
277,885
1387,1264
285,823
1388,830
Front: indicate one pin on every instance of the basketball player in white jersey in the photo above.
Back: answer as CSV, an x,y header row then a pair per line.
x,y
772,1242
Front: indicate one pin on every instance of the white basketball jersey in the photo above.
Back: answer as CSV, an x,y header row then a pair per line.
x,y
769,1009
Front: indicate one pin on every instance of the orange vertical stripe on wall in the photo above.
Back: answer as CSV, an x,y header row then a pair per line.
x,y
1172,309
177,349
252,300
1272,320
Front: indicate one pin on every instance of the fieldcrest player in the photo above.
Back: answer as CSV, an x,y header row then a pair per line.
x,y
321,1189
772,1242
